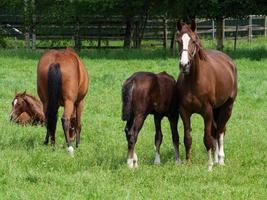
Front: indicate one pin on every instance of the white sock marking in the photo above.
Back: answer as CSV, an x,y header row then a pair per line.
x,y
157,159
132,162
210,162
71,151
221,151
216,150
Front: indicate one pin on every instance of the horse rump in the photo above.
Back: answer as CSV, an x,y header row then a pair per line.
x,y
127,90
54,91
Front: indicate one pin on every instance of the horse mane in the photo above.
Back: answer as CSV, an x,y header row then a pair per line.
x,y
201,52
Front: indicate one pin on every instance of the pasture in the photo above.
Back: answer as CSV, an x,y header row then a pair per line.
x,y
30,170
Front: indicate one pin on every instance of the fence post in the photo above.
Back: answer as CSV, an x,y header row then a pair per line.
x,y
165,33
265,26
99,36
77,41
250,28
236,32
33,25
223,28
174,42
213,30
16,43
26,24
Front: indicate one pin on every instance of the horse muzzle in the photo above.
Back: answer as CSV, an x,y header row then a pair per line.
x,y
185,69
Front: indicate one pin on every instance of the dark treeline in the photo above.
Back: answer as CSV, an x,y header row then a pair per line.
x,y
135,13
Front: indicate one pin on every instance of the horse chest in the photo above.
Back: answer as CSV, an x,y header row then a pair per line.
x,y
191,102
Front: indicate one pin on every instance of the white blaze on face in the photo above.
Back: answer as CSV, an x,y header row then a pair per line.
x,y
15,102
184,55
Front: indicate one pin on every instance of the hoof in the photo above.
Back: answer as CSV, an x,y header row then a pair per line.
x,y
221,163
71,151
177,162
157,159
132,164
156,162
210,166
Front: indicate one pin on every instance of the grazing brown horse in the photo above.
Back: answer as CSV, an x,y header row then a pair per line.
x,y
147,93
207,85
26,109
62,80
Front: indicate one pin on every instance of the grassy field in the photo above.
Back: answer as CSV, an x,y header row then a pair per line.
x,y
30,170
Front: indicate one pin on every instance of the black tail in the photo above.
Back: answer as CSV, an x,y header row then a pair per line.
x,y
54,92
127,91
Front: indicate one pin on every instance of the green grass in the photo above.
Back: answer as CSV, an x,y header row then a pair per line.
x,y
29,170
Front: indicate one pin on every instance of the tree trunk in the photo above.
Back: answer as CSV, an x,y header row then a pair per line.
x,y
128,34
77,41
27,23
219,33
236,32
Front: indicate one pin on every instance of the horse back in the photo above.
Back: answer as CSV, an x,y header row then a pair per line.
x,y
152,92
223,69
73,72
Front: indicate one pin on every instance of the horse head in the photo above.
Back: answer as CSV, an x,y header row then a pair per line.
x,y
24,102
18,106
189,45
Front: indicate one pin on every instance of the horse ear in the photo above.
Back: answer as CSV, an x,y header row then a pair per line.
x,y
179,25
24,93
193,25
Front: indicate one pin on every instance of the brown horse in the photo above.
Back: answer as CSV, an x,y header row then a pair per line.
x,y
62,80
26,109
207,85
146,93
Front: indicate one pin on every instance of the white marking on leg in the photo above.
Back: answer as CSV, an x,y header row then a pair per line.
x,y
176,154
221,151
71,151
130,163
184,56
216,150
210,162
135,160
157,159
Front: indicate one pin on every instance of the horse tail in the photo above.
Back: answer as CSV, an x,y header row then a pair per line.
x,y
54,91
127,91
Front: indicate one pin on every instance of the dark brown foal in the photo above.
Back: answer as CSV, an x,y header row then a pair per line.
x,y
147,93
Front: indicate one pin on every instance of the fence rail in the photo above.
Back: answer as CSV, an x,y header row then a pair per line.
x,y
99,28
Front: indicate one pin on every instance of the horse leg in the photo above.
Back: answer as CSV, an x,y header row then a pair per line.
x,y
158,137
214,136
208,118
46,140
132,138
79,110
187,133
175,136
68,109
223,117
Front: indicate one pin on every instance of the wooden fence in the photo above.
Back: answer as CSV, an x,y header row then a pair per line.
x,y
99,29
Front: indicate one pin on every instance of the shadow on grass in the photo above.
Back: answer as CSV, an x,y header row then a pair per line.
x,y
135,54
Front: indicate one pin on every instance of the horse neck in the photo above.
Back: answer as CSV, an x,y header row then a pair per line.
x,y
193,76
35,108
